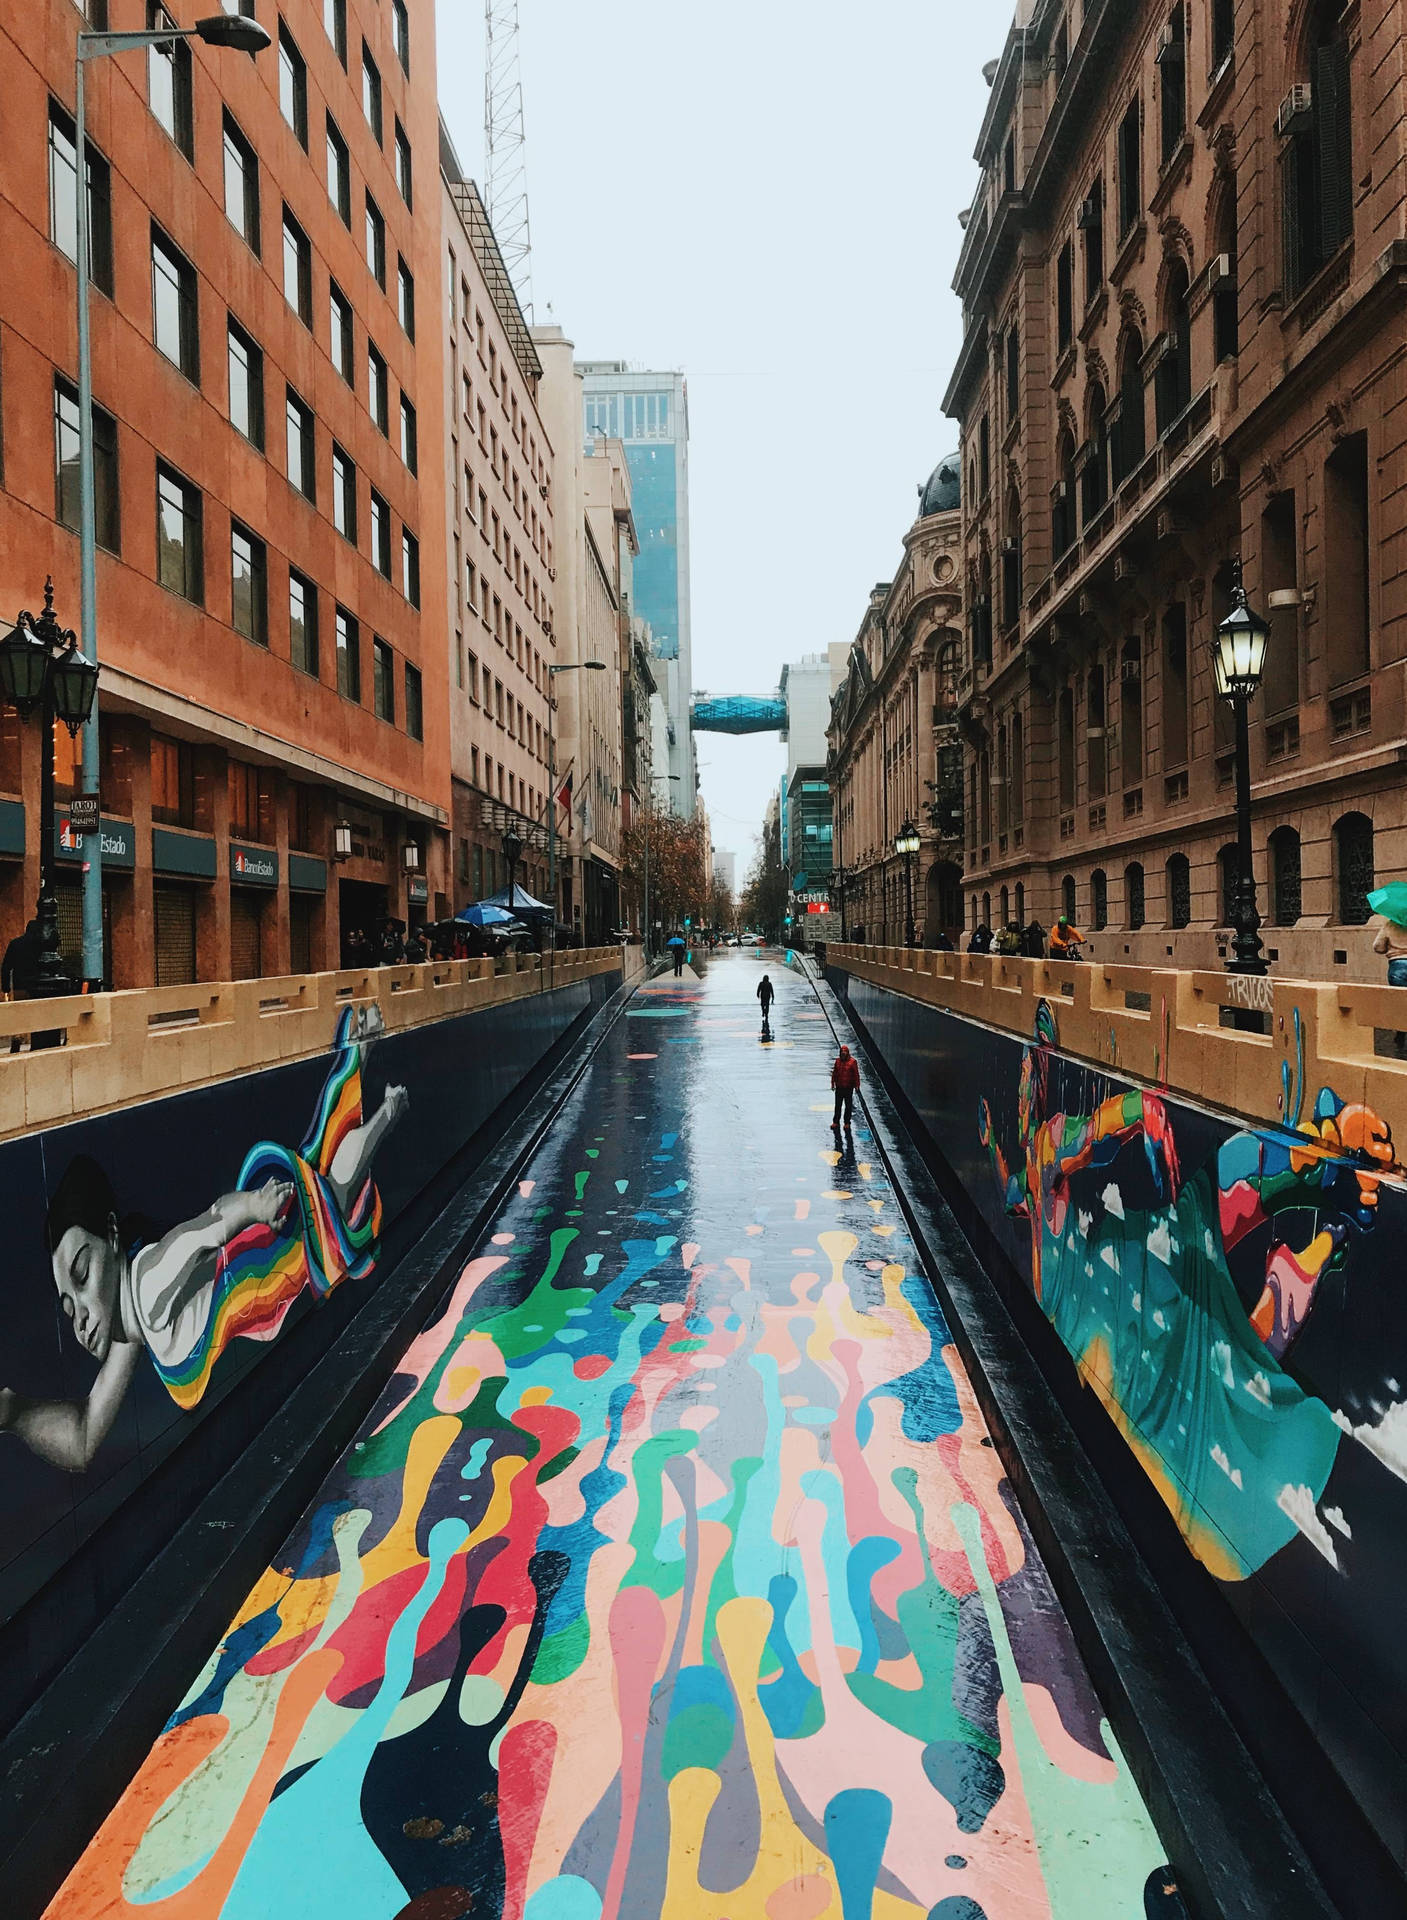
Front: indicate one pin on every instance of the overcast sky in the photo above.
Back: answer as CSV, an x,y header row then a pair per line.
x,y
765,194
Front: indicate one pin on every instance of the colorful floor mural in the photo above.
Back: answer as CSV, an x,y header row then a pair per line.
x,y
675,1573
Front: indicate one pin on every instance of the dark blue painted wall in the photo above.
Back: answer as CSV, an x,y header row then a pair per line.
x,y
1234,1297
71,1541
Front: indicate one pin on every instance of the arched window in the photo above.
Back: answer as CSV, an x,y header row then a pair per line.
x,y
1228,863
1284,877
1099,899
1173,385
1020,904
1179,877
948,677
987,909
1094,456
1317,161
1130,441
1005,907
1067,896
1133,895
981,612
1062,499
1353,866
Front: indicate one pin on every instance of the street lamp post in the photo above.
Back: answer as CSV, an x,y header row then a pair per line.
x,y
42,668
243,35
906,844
512,849
1238,663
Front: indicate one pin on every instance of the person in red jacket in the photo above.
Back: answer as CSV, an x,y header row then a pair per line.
x,y
845,1078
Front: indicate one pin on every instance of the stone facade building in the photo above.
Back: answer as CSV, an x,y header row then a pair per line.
x,y
271,602
502,559
1183,283
895,755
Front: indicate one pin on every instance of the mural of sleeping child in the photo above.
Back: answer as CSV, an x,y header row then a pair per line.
x,y
296,1221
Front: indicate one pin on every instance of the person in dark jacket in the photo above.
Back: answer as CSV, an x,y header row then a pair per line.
x,y
981,941
1033,941
845,1081
17,970
766,993
943,943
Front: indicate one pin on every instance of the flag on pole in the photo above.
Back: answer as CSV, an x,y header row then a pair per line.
x,y
564,794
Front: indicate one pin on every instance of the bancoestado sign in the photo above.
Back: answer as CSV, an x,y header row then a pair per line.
x,y
253,866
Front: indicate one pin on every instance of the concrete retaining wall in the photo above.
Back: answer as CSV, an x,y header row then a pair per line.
x,y
1231,1296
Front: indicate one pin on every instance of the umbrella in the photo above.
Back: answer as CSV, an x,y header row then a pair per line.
x,y
522,902
484,915
675,942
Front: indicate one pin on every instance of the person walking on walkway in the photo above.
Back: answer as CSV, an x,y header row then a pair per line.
x,y
845,1079
766,993
677,951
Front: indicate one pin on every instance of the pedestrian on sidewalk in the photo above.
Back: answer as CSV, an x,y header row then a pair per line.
x,y
845,1079
766,993
1390,905
17,971
677,951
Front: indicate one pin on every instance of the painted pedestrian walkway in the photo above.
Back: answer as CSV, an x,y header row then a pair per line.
x,y
674,1574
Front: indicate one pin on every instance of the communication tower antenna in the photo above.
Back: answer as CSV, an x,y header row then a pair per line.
x,y
506,147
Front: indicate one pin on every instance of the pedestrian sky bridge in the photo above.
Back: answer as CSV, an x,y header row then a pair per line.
x,y
739,713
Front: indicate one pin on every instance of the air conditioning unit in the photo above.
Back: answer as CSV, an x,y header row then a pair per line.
x,y
1167,524
1296,112
1011,544
1221,469
1086,605
1060,492
1123,568
1091,214
1170,44
1221,274
1131,670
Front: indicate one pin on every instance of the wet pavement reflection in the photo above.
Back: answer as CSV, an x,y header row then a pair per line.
x,y
674,1574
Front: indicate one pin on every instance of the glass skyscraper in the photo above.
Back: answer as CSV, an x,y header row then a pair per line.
x,y
649,413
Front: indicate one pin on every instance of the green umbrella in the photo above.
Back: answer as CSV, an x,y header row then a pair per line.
x,y
1391,902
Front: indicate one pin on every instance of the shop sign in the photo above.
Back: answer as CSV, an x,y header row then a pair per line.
x,y
189,854
306,873
419,892
83,814
116,841
253,866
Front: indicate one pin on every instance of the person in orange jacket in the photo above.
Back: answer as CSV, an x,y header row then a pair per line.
x,y
1065,940
845,1079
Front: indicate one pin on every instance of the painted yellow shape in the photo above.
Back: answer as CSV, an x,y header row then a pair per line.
x,y
534,1396
884,1231
866,1170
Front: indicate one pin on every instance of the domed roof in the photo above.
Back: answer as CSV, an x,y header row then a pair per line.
x,y
943,492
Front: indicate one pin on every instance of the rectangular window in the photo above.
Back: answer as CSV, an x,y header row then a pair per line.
x,y
349,656
1279,573
1223,32
292,85
405,183
297,269
172,782
302,623
66,466
378,389
1347,559
339,173
400,32
1172,71
376,243
334,19
241,185
169,82
1065,296
405,297
63,199
371,93
1130,168
344,495
251,792
410,451
410,566
246,370
1013,374
302,463
180,564
383,681
380,534
414,710
173,298
1092,226
249,585
340,335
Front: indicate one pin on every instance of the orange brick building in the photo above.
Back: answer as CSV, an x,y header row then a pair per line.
x,y
1183,280
268,376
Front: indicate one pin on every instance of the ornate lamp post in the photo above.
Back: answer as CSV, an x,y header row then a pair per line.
x,y
41,668
1238,664
906,844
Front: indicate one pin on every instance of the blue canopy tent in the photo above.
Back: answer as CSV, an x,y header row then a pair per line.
x,y
522,904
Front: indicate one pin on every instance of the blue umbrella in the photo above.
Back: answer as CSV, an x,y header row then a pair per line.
x,y
483,916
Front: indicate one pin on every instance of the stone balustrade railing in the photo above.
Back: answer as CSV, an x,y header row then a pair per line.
x,y
121,1047
1262,1047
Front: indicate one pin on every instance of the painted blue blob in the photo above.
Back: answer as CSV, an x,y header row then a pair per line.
x,y
866,1558
955,1860
565,1898
786,1700
474,1465
957,1906
813,1416
593,1264
857,1827
970,1780
667,1140
652,1219
241,1645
